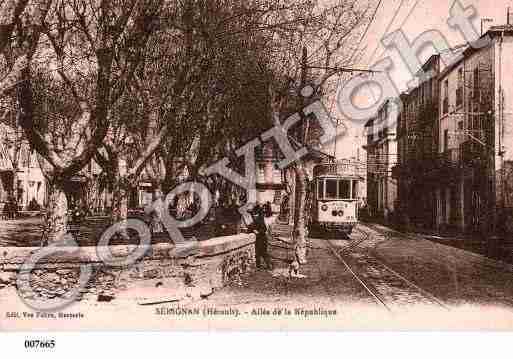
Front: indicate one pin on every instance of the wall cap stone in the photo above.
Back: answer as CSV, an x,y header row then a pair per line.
x,y
10,256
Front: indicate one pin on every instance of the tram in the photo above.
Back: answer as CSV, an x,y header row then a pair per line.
x,y
334,197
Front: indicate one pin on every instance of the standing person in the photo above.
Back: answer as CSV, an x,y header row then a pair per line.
x,y
284,209
260,229
268,209
12,209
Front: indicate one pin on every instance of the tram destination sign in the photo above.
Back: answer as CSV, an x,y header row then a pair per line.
x,y
336,169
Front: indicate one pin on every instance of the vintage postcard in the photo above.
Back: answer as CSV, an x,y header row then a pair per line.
x,y
288,165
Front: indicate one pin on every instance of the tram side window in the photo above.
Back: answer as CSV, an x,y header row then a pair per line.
x,y
320,189
355,189
343,189
331,188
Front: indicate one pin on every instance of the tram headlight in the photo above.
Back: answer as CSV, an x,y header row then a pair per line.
x,y
324,207
340,213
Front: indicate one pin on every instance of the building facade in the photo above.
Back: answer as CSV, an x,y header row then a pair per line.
x,y
269,178
417,141
455,141
476,137
381,150
21,178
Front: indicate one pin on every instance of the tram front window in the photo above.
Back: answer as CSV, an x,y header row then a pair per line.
x,y
344,188
334,189
331,189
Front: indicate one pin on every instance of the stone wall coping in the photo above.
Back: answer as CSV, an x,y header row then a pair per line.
x,y
10,256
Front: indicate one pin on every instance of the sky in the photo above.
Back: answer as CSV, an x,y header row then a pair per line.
x,y
414,17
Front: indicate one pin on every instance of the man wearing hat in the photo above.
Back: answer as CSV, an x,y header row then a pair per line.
x,y
260,229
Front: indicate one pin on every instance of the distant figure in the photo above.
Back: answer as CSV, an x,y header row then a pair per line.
x,y
268,209
284,209
12,208
260,229
76,215
193,208
152,218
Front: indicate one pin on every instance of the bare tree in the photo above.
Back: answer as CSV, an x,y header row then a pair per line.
x,y
308,42
87,53
200,105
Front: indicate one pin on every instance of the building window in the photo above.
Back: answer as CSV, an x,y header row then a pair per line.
x,y
459,89
477,125
443,205
476,83
261,171
276,174
445,105
277,197
446,140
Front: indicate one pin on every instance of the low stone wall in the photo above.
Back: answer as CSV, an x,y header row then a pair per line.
x,y
210,265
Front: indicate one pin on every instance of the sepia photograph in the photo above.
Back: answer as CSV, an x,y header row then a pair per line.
x,y
255,165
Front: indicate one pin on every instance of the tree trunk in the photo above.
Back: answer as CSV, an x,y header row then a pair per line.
x,y
15,186
291,192
55,220
300,233
93,196
119,205
156,216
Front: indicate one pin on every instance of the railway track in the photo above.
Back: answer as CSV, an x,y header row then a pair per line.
x,y
283,230
356,242
388,288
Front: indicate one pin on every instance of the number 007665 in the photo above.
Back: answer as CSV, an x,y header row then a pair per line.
x,y
40,344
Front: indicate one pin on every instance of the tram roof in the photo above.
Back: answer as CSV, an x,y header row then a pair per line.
x,y
337,169
334,176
